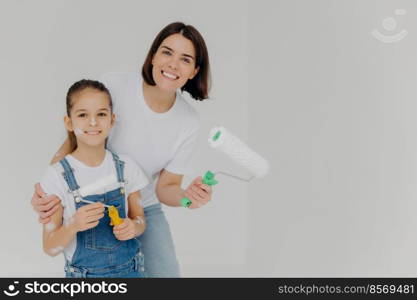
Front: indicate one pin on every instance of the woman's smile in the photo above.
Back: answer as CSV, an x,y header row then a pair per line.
x,y
92,132
169,75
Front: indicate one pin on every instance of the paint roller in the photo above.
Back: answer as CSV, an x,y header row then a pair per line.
x,y
222,140
97,186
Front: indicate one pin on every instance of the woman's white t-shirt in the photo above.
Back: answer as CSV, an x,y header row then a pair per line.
x,y
53,182
156,141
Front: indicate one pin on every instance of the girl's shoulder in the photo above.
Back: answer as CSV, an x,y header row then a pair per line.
x,y
54,174
53,182
134,173
131,166
128,160
55,170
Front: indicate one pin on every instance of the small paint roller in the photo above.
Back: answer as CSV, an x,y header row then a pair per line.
x,y
114,216
224,141
98,186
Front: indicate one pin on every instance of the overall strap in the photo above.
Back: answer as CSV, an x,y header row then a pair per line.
x,y
119,164
69,175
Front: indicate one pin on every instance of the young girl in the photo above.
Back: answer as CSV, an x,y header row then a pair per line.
x,y
81,227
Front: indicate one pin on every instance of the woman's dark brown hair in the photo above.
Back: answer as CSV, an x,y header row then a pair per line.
x,y
76,88
199,86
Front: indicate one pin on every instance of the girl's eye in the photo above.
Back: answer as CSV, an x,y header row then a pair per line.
x,y
102,114
166,52
82,115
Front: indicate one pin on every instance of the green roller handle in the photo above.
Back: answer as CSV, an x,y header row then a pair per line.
x,y
208,179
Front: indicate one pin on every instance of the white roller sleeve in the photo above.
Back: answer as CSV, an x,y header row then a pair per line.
x,y
98,185
238,151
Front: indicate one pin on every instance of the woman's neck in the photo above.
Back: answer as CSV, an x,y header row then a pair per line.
x,y
92,156
158,100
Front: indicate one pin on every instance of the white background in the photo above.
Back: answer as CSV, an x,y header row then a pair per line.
x,y
303,82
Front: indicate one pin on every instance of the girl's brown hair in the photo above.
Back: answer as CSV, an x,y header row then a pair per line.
x,y
199,86
76,88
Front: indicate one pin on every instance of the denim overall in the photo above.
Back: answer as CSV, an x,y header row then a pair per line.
x,y
98,252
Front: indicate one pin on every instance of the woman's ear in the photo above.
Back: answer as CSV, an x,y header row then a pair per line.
x,y
113,120
68,123
194,73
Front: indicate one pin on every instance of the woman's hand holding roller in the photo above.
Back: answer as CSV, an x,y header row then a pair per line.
x,y
198,192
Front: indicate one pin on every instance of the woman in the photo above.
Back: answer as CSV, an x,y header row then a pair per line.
x,y
158,129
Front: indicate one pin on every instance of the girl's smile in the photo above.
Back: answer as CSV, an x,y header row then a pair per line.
x,y
79,131
93,132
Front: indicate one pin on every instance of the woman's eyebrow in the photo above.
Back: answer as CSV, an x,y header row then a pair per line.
x,y
187,55
183,54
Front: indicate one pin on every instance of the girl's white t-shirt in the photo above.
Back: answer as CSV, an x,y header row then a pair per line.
x,y
53,182
156,141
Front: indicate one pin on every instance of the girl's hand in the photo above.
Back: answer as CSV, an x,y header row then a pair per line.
x,y
45,206
87,217
125,231
198,192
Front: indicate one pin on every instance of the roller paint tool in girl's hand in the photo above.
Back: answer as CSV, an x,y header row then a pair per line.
x,y
98,186
114,216
239,152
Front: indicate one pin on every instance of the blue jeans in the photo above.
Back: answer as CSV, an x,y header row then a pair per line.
x,y
130,269
99,253
157,245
